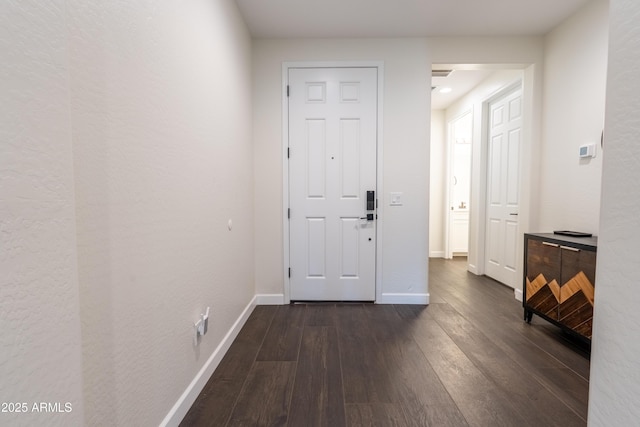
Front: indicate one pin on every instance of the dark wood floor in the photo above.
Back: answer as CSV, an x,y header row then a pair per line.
x,y
466,359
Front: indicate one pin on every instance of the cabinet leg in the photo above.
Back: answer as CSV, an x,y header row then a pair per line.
x,y
528,315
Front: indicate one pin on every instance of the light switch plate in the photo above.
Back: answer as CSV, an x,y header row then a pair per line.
x,y
396,199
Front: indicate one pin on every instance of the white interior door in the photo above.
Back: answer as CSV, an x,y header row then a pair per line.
x,y
332,165
503,173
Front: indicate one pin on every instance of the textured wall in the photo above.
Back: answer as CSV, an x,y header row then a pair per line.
x,y
161,109
406,153
40,358
574,96
615,365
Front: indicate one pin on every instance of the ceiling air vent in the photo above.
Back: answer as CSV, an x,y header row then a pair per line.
x,y
440,73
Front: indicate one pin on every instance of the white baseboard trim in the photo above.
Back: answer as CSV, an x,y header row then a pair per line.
x,y
518,294
182,406
269,299
436,254
473,269
418,299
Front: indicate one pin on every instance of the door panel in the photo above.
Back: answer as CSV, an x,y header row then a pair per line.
x,y
493,244
349,238
495,153
316,229
544,263
350,159
316,148
332,164
497,115
511,240
503,187
513,169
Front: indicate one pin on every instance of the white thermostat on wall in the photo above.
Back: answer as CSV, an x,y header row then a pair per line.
x,y
588,150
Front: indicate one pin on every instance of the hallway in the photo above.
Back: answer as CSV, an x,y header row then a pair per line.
x,y
466,359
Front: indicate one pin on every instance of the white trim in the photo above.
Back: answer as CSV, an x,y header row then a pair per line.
x,y
473,269
447,187
285,181
270,299
416,299
481,225
182,406
379,65
436,254
517,293
380,186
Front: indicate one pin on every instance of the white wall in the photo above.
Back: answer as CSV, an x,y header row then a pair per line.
x,y
406,154
573,114
437,184
513,51
40,355
161,118
615,365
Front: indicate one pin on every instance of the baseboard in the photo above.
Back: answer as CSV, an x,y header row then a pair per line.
x,y
518,294
269,299
417,299
436,254
181,407
473,269
459,254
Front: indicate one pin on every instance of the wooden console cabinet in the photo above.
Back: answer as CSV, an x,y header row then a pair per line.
x,y
559,280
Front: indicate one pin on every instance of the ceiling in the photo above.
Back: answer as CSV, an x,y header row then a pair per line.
x,y
403,18
460,81
409,18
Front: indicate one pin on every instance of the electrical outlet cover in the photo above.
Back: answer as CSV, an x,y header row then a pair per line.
x,y
396,199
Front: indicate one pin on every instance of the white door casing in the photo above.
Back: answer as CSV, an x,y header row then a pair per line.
x,y
332,164
503,186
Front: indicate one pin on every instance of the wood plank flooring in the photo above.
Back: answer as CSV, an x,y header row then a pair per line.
x,y
467,359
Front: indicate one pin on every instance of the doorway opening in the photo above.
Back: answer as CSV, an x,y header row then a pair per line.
x,y
459,137
460,122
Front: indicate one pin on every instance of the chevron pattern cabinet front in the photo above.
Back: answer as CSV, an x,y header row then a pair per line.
x,y
559,280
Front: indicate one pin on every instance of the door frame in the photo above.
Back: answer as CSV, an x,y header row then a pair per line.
x,y
286,66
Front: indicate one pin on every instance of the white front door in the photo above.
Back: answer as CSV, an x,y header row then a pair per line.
x,y
503,174
332,166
